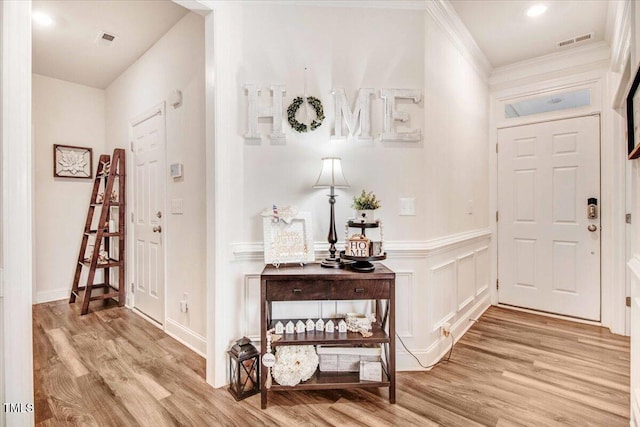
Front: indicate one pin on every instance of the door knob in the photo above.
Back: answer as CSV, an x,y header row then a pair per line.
x,y
159,214
157,229
592,227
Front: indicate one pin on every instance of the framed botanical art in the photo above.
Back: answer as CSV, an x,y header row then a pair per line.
x,y
633,118
72,162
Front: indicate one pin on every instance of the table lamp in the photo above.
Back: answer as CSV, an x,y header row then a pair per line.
x,y
331,177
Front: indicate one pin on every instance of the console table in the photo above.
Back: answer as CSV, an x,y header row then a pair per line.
x,y
310,283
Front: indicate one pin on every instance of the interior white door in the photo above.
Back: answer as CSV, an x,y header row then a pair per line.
x,y
548,249
148,144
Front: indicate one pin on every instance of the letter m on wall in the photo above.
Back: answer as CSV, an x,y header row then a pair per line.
x,y
361,114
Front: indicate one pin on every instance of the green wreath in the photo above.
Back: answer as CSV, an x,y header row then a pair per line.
x,y
293,109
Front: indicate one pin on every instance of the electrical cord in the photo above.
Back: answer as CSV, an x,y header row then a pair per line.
x,y
443,359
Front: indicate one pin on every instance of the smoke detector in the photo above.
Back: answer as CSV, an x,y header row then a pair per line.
x,y
577,39
105,39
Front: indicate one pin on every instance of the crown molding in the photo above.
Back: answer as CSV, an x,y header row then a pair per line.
x,y
618,33
578,58
371,4
444,14
254,251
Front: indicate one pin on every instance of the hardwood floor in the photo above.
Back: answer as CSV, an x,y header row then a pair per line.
x,y
112,368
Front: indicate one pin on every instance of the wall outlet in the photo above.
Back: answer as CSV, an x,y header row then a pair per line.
x,y
184,305
446,329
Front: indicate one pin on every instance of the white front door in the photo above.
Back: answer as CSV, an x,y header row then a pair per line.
x,y
548,249
148,144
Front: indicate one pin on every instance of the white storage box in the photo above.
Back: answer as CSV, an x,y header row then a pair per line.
x,y
346,359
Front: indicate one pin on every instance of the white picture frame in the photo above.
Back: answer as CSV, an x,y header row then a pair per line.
x,y
288,241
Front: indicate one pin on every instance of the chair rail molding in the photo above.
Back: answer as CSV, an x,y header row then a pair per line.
x,y
254,251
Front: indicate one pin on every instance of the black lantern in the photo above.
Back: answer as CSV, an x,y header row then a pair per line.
x,y
244,369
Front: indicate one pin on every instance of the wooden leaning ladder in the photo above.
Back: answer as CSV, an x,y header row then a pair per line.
x,y
110,177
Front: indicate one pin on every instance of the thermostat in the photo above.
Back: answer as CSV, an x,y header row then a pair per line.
x,y
176,170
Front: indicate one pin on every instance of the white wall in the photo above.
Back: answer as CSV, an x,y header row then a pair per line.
x,y
175,62
441,254
69,114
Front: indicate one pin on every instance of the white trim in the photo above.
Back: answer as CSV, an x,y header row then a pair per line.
x,y
635,408
211,189
634,266
618,32
221,173
186,336
444,14
579,59
408,304
254,251
54,295
17,207
552,315
363,4
1,283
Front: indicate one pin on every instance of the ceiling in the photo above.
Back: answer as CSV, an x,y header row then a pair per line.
x,y
67,49
506,34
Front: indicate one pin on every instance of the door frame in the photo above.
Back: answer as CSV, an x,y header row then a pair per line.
x,y
158,109
497,240
612,166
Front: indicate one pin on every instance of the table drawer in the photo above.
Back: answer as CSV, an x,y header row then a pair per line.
x,y
360,289
296,290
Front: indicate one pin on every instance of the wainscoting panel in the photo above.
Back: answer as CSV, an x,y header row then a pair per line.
x,y
482,269
404,299
443,294
465,279
250,312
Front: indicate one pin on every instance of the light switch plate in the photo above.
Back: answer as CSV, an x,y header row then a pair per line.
x,y
407,206
176,206
176,170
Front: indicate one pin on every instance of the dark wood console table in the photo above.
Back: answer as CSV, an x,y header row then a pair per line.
x,y
311,283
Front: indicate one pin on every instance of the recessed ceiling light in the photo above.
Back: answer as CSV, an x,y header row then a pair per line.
x,y
536,10
42,18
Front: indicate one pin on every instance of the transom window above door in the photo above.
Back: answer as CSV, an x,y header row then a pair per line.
x,y
549,103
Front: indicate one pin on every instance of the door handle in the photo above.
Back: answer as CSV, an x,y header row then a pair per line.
x,y
157,229
592,227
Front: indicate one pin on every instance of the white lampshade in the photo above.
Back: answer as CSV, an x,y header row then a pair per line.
x,y
331,174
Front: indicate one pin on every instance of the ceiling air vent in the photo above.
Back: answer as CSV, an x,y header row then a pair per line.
x,y
577,39
105,39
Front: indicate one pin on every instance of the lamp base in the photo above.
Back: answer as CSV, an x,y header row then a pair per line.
x,y
332,263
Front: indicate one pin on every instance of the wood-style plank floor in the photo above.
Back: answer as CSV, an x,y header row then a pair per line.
x,y
112,368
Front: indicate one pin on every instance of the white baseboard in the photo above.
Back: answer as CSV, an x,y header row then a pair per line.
x,y
54,295
429,356
186,336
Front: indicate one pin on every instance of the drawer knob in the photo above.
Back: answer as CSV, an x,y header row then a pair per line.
x,y
297,290
359,290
